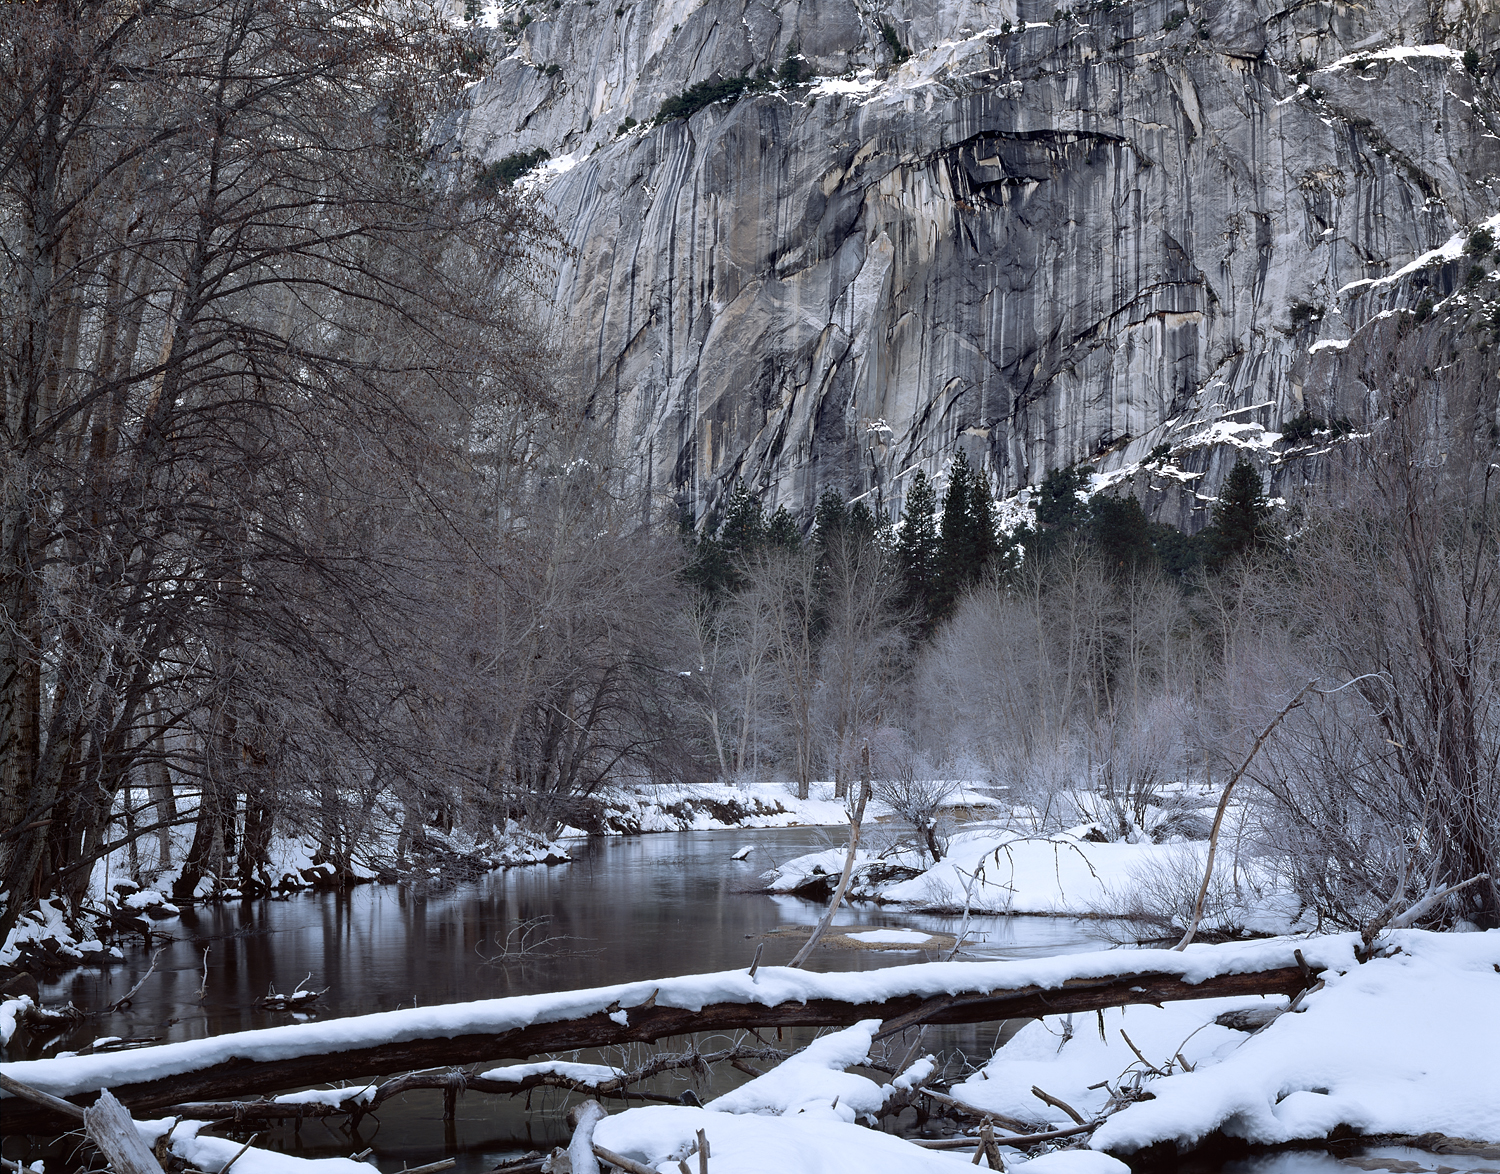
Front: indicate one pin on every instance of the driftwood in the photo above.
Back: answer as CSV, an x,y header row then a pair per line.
x,y
110,1128
66,1110
650,1022
1018,1141
629,1165
244,1112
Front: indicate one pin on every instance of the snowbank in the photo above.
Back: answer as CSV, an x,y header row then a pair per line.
x,y
714,807
814,1081
662,1135
1406,1043
214,1153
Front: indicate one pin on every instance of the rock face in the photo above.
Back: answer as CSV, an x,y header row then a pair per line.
x,y
1047,236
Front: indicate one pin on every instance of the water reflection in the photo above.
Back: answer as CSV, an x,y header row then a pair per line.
x,y
626,909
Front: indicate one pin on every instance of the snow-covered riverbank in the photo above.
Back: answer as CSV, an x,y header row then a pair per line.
x,y
1402,1043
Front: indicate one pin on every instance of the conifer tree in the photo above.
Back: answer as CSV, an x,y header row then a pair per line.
x,y
1242,516
1120,532
1059,512
967,543
782,531
917,545
829,517
744,528
713,566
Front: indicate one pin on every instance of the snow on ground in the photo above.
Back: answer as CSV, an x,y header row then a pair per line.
x,y
1042,1055
47,926
769,987
715,806
997,870
1407,1043
214,1153
814,1081
663,1135
798,1118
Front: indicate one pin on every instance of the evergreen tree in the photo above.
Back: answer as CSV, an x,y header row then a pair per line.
x,y
967,543
829,517
782,531
744,528
861,523
713,564
917,545
1242,517
1178,554
1059,511
1119,532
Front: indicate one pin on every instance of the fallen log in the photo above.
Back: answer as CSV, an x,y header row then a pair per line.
x,y
357,1101
649,1021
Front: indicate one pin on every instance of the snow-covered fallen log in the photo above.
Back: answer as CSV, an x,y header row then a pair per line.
x,y
247,1063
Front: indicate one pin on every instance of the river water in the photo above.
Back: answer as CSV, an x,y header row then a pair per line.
x,y
624,909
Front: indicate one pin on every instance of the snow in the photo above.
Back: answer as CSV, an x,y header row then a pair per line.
x,y
1403,1043
1037,1056
894,937
662,1135
1076,1162
1449,250
813,1082
591,1075
1399,53
1329,344
861,83
10,1011
148,899
771,986
358,1093
1004,872
743,853
690,808
795,873
1407,1043
214,1153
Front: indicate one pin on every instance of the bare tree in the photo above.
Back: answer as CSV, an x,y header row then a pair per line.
x,y
860,648
783,587
1396,783
232,296
906,781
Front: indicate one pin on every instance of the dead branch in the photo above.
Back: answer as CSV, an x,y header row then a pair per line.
x,y
838,894
1389,919
1213,835
1057,1103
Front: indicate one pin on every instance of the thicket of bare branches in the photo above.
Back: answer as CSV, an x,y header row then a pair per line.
x,y
286,487
1390,788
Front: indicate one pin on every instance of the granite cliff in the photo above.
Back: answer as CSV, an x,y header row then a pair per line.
x,y
1143,233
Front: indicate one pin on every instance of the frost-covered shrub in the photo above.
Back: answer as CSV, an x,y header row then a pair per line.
x,y
1156,903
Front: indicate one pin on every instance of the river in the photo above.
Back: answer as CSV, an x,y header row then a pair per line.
x,y
624,909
